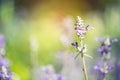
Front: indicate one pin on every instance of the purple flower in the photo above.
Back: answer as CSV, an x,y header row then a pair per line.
x,y
2,40
4,62
81,31
106,44
79,22
48,73
5,73
102,70
80,28
59,77
87,27
75,44
104,49
112,40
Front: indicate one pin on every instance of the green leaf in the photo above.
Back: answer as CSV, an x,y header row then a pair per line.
x,y
88,56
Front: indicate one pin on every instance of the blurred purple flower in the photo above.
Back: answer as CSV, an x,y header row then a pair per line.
x,y
102,70
104,49
2,40
103,67
75,44
48,73
106,44
60,77
5,73
112,40
3,62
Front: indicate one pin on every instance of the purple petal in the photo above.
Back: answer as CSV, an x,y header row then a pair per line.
x,y
1,74
97,67
113,40
75,44
4,62
87,27
100,49
110,67
9,78
102,75
59,77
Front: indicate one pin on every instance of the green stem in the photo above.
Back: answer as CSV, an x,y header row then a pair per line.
x,y
84,68
83,63
81,43
104,78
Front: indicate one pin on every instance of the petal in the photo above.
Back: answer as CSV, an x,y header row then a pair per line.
x,y
75,44
87,27
112,40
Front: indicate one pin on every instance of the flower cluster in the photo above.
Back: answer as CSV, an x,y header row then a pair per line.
x,y
104,49
48,73
103,70
5,73
81,29
81,32
106,45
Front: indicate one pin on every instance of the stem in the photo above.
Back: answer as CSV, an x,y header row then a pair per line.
x,y
105,64
81,43
84,68
83,63
104,78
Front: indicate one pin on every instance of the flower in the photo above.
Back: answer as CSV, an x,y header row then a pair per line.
x,y
4,62
80,28
104,48
81,49
58,77
106,45
102,70
81,32
5,74
75,44
48,73
79,22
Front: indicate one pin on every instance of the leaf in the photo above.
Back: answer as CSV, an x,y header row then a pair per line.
x,y
77,55
88,56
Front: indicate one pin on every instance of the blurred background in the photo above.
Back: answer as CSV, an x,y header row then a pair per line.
x,y
39,33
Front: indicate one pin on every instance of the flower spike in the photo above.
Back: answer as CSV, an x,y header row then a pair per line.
x,y
81,31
